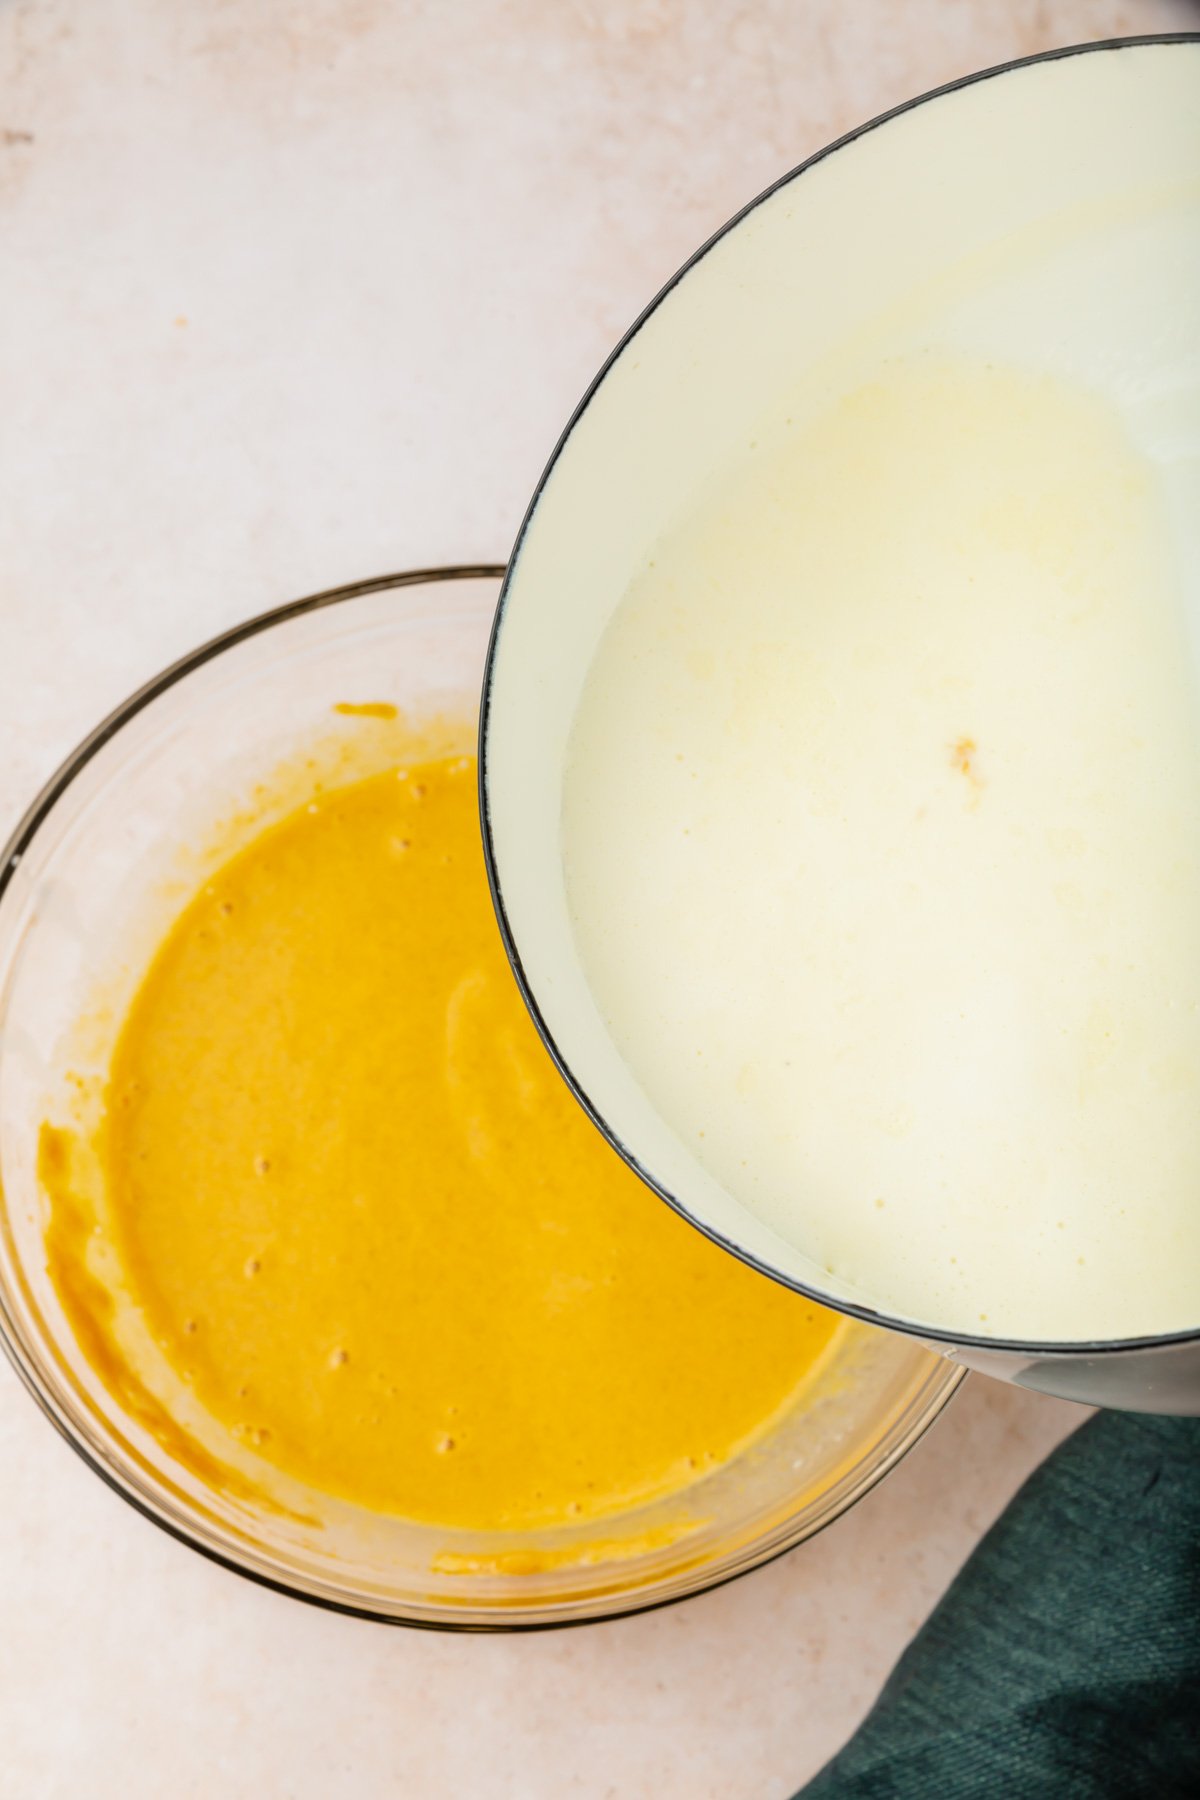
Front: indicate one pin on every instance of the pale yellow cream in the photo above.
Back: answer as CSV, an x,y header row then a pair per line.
x,y
881,836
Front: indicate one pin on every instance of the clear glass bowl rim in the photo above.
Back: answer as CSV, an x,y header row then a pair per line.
x,y
942,1381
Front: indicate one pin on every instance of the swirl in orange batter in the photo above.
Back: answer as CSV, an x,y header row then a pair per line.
x,y
368,1225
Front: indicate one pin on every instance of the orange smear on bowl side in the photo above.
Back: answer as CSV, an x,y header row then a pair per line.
x,y
369,1226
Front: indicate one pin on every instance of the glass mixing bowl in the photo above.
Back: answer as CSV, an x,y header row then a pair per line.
x,y
98,866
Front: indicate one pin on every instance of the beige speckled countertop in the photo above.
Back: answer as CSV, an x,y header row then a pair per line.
x,y
295,293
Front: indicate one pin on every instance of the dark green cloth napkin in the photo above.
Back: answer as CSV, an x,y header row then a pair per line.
x,y
1065,1659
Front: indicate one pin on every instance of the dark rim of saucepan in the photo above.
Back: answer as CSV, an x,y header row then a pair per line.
x,y
540,1616
868,1315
